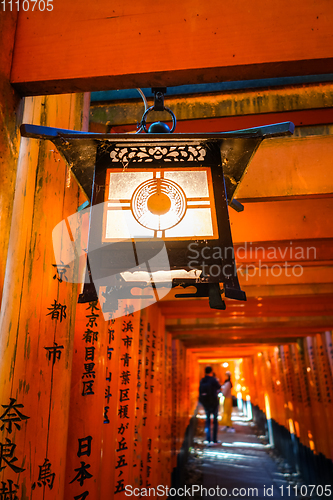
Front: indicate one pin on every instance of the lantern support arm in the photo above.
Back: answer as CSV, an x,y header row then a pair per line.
x,y
236,205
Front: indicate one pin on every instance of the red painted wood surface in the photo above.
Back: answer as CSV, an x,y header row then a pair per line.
x,y
202,124
126,400
253,307
326,386
38,309
173,44
111,357
85,421
10,115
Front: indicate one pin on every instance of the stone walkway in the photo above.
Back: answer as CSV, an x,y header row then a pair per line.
x,y
241,466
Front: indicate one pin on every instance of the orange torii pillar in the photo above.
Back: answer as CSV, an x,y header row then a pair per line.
x,y
317,409
116,421
11,107
38,312
303,423
326,386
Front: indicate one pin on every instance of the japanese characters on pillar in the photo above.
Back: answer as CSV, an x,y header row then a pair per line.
x,y
298,399
138,428
304,385
192,376
179,417
11,418
272,383
159,390
326,387
279,415
180,394
266,378
320,430
293,404
288,386
86,406
324,374
154,402
329,349
108,371
127,392
174,422
90,338
327,343
147,422
82,471
166,443
111,355
155,393
306,420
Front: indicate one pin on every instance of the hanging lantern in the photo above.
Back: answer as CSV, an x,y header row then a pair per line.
x,y
159,207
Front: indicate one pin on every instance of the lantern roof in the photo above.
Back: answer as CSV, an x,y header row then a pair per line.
x,y
237,148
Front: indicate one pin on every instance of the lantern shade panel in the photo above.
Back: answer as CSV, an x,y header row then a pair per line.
x,y
159,203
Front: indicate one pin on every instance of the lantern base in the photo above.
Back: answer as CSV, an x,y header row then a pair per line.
x,y
88,294
112,295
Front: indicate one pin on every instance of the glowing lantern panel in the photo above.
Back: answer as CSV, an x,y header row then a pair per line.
x,y
164,203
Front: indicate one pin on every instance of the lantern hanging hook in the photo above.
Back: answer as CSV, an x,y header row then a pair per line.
x,y
158,127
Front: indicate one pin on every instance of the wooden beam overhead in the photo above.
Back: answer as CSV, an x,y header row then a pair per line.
x,y
286,290
253,307
234,348
305,252
297,166
308,120
86,46
205,352
305,103
289,219
204,355
252,326
226,335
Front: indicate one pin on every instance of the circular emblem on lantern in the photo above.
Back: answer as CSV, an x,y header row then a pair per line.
x,y
158,204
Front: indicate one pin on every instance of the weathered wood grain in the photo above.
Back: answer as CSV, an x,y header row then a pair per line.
x,y
86,46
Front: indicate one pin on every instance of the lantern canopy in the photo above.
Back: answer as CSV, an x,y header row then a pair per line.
x,y
160,198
